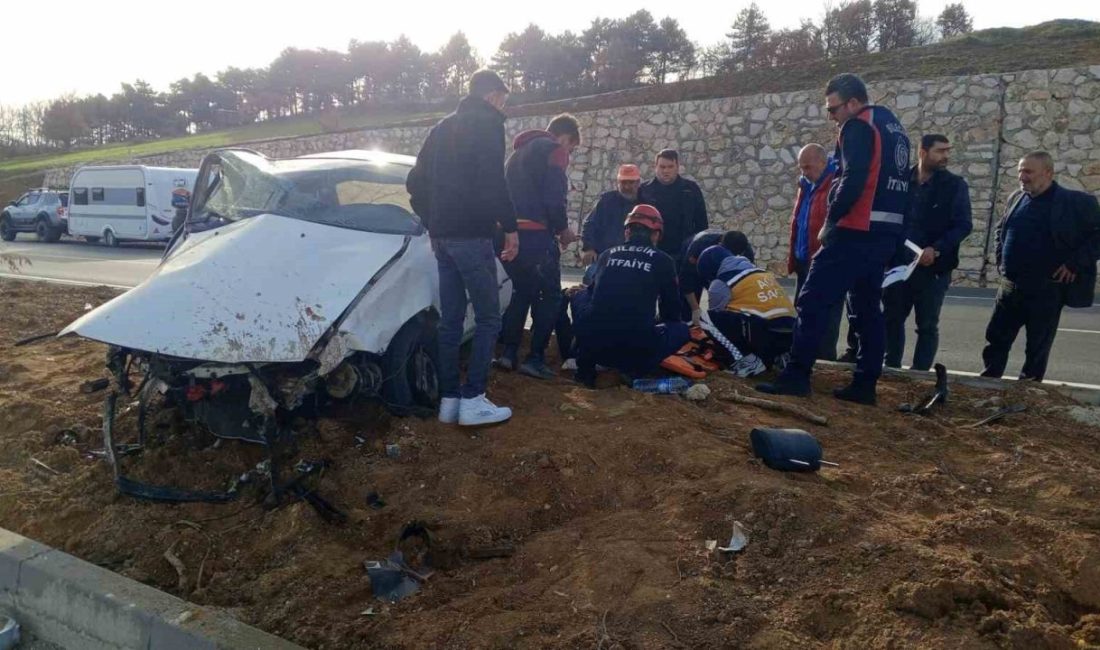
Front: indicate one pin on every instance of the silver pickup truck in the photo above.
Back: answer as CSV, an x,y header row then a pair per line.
x,y
41,211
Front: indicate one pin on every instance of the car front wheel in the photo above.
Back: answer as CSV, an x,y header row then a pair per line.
x,y
411,368
7,232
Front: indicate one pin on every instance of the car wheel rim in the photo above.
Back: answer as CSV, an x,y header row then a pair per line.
x,y
41,231
425,379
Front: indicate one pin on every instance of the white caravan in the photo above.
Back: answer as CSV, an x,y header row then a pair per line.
x,y
127,202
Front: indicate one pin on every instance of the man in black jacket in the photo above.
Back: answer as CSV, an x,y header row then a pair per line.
x,y
457,188
680,202
1047,246
938,222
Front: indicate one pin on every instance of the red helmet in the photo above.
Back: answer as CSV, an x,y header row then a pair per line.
x,y
646,215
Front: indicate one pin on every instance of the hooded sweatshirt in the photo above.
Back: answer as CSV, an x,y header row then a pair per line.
x,y
537,183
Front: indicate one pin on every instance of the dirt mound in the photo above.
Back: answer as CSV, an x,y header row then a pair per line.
x,y
601,504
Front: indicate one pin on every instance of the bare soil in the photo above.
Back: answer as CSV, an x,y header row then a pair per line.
x,y
929,535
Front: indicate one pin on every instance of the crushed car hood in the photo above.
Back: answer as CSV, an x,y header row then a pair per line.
x,y
263,289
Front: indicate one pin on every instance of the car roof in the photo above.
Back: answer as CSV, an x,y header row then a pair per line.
x,y
373,156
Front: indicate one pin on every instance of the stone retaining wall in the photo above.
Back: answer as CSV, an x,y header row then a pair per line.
x,y
742,149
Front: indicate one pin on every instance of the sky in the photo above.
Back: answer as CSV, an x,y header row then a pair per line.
x,y
89,47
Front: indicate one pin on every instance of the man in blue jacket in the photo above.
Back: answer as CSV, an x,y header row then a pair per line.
x,y
457,188
867,206
539,187
939,222
603,227
1047,246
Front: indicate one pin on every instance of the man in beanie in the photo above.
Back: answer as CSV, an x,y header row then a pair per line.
x,y
457,188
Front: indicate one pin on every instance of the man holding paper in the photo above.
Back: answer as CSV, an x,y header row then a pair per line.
x,y
939,222
866,219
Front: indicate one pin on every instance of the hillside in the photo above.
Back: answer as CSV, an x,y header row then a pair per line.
x,y
1060,43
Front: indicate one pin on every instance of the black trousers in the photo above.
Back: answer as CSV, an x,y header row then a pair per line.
x,y
1037,309
827,350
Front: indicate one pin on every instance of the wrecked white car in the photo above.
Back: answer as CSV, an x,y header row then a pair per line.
x,y
293,281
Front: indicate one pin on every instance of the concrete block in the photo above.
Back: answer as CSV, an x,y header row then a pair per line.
x,y
75,604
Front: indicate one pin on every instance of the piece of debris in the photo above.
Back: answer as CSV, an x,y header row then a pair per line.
x,y
938,396
780,407
711,544
37,464
1008,410
95,385
787,450
697,393
393,450
491,552
9,633
34,339
178,565
375,502
391,579
738,539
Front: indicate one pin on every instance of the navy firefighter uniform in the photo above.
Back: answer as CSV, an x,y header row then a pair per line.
x,y
863,228
615,322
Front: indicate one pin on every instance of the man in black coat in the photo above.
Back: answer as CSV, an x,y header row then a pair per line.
x,y
939,221
1047,245
679,201
457,188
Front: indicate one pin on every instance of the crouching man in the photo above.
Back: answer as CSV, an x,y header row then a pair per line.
x,y
614,318
747,304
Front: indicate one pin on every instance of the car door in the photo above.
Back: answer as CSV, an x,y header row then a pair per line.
x,y
28,209
15,209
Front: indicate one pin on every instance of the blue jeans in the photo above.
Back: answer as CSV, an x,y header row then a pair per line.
x,y
466,267
854,265
924,293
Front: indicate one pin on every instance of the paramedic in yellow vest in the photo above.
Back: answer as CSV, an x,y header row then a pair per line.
x,y
747,303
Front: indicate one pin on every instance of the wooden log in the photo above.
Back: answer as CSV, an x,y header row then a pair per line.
x,y
779,407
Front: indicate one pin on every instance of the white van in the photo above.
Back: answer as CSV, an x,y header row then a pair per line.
x,y
127,202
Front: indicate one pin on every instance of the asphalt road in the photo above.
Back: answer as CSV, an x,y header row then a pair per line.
x,y
1075,358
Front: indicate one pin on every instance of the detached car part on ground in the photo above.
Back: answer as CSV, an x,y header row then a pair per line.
x,y
293,282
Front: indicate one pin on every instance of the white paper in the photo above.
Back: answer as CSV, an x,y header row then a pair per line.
x,y
902,273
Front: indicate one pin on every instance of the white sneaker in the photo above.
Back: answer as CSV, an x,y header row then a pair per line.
x,y
749,365
448,410
570,364
477,411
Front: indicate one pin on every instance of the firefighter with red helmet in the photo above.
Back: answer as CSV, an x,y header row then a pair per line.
x,y
615,324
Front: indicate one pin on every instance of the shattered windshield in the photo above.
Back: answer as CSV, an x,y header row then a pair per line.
x,y
345,193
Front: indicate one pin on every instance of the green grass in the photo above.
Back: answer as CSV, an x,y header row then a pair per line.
x,y
282,129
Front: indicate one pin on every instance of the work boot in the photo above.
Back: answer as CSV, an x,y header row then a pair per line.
x,y
786,384
537,368
507,361
448,410
478,411
849,356
859,392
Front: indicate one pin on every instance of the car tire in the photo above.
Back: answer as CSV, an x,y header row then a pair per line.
x,y
410,368
44,231
109,239
7,231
